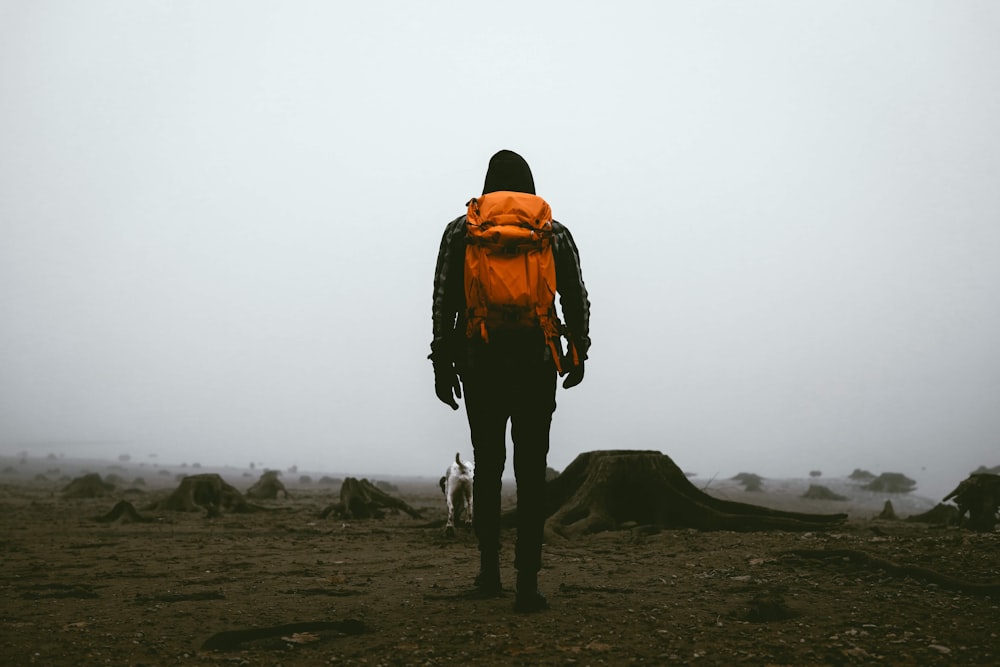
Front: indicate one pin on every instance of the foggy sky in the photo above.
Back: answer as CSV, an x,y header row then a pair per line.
x,y
220,220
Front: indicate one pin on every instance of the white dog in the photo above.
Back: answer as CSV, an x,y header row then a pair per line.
x,y
457,487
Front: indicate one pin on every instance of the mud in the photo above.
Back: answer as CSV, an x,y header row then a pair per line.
x,y
160,587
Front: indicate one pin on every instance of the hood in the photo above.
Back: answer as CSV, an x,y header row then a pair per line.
x,y
509,172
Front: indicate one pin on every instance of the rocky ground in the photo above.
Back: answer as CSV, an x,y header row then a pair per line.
x,y
287,587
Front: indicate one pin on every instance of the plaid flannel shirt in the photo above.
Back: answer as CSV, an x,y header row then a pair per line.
x,y
448,311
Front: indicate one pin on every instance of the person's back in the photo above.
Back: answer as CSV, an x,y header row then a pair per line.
x,y
507,363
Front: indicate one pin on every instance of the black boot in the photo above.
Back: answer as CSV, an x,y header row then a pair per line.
x,y
528,598
488,580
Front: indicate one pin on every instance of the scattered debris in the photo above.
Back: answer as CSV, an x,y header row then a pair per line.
x,y
897,570
232,640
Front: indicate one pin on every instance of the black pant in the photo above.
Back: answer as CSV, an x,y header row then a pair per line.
x,y
513,382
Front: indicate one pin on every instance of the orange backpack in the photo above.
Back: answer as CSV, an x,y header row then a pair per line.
x,y
510,271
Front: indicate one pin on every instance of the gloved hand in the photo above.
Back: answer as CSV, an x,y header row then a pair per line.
x,y
446,383
574,376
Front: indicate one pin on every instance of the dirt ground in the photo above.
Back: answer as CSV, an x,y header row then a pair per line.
x,y
286,587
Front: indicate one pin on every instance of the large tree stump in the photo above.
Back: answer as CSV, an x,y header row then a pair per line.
x,y
267,487
601,490
979,496
360,499
207,492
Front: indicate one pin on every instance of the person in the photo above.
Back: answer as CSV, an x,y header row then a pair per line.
x,y
511,377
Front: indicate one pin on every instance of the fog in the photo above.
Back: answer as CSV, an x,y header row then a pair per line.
x,y
220,221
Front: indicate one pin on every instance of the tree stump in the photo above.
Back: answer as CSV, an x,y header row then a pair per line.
x,y
123,512
601,490
360,499
820,492
207,492
267,487
88,486
978,496
750,481
860,475
891,482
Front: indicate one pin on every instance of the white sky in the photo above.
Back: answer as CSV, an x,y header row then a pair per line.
x,y
220,219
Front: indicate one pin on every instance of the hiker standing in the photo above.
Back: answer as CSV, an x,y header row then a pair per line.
x,y
498,337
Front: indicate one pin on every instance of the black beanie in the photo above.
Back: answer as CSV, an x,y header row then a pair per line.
x,y
508,171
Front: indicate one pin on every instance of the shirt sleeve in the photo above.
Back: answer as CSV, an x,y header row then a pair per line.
x,y
449,291
573,298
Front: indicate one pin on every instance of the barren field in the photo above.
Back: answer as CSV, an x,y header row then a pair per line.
x,y
283,586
